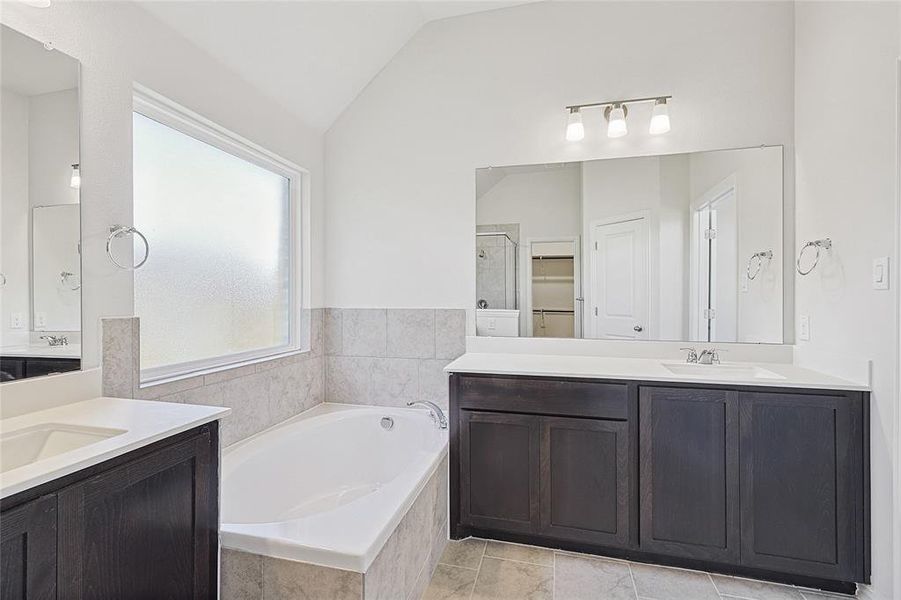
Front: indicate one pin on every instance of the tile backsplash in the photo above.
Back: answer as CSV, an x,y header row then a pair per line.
x,y
389,357
383,357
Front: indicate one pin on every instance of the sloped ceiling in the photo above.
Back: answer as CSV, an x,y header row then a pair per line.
x,y
314,58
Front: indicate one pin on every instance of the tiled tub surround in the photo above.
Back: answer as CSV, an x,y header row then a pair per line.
x,y
403,565
388,357
260,394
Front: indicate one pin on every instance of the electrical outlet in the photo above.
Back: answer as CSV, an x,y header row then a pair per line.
x,y
804,328
16,321
745,285
40,320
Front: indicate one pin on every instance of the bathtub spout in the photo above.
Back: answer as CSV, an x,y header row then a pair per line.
x,y
434,411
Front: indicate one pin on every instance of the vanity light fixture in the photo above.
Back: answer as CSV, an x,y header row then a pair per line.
x,y
75,180
575,130
616,111
659,118
616,120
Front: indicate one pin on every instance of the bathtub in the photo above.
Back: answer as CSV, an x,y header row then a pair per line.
x,y
330,486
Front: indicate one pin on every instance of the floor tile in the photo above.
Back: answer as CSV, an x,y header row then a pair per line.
x,y
463,553
450,583
510,580
583,578
662,583
529,554
755,590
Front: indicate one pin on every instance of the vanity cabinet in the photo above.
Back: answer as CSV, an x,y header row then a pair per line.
x,y
28,551
143,525
761,482
547,471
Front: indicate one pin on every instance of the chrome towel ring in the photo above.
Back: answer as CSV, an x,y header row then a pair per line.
x,y
819,245
758,257
118,231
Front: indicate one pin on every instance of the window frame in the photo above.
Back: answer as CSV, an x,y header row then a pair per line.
x,y
154,106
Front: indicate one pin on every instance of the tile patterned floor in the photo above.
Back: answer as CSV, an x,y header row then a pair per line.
x,y
475,569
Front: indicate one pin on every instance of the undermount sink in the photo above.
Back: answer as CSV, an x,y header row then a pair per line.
x,y
721,371
28,445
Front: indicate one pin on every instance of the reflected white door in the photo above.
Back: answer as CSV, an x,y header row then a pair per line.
x,y
619,274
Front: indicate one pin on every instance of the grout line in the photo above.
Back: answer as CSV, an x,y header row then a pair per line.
x,y
632,577
553,575
457,566
478,571
521,562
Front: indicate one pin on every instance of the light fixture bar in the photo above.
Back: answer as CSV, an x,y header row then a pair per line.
x,y
612,102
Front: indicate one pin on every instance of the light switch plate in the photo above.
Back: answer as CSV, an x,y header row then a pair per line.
x,y
804,328
880,273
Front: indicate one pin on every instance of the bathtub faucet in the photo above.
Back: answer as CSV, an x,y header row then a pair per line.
x,y
434,411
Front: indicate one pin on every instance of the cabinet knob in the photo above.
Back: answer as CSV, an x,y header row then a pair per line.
x,y
638,328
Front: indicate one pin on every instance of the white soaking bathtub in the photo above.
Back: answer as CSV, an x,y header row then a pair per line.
x,y
329,486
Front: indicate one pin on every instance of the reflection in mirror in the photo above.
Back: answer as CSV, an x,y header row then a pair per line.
x,y
684,247
40,258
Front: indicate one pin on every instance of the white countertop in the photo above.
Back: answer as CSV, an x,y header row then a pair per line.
x,y
641,369
144,422
42,351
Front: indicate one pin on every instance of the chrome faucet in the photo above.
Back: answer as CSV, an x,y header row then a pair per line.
x,y
434,411
709,357
692,355
56,340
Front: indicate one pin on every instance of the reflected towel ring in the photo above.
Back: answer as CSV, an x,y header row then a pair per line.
x,y
118,231
69,281
759,256
818,244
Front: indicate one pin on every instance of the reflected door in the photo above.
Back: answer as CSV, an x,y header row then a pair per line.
x,y
620,279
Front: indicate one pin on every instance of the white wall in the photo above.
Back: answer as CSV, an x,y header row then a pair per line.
x,y
846,58
489,89
52,147
14,296
118,44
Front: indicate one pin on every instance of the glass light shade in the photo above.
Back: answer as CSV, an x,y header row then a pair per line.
x,y
575,130
75,180
659,119
616,123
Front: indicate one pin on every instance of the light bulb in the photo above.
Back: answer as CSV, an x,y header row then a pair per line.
x,y
75,181
659,118
616,121
575,130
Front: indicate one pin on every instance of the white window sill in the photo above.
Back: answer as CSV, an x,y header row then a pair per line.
x,y
220,369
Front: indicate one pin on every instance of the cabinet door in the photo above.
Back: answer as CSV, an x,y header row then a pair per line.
x,y
145,529
800,457
499,471
585,480
689,473
28,551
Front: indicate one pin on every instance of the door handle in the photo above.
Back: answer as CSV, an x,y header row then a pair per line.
x,y
638,328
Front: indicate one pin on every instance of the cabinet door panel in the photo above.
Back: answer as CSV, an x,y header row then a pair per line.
x,y
689,473
28,551
585,480
144,529
798,506
499,471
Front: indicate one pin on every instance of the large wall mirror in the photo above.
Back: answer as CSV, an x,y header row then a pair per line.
x,y
40,257
683,247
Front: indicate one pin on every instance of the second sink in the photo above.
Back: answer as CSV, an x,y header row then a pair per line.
x,y
28,445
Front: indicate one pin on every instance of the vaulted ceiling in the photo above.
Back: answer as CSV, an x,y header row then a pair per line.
x,y
314,57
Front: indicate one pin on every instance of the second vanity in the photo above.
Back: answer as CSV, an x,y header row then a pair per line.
x,y
760,470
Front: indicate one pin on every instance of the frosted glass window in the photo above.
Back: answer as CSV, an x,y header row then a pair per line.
x,y
217,288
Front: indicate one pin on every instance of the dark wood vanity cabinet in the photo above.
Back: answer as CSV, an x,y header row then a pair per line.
x,y
143,525
28,550
689,472
762,482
